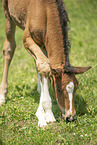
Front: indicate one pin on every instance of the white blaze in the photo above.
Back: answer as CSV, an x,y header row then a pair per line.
x,y
70,88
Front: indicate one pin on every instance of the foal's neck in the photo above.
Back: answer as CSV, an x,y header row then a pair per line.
x,y
54,37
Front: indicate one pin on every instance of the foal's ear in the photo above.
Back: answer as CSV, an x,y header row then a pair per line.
x,y
76,70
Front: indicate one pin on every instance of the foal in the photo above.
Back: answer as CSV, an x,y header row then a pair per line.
x,y
46,38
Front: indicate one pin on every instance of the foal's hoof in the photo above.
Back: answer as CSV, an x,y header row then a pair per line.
x,y
42,124
2,100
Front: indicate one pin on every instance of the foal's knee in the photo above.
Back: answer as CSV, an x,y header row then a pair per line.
x,y
8,49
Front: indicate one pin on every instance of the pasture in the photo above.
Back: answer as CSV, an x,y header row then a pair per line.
x,y
18,122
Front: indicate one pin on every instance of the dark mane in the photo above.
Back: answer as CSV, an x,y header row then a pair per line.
x,y
64,20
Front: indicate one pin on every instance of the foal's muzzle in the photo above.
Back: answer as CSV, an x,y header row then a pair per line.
x,y
69,118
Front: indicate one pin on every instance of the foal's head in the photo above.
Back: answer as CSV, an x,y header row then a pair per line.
x,y
65,86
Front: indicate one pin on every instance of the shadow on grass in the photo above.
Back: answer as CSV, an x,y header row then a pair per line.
x,y
80,105
1,143
26,91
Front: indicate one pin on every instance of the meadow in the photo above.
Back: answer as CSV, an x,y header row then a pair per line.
x,y
18,122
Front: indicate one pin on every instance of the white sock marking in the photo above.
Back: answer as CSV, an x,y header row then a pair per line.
x,y
39,85
2,99
44,112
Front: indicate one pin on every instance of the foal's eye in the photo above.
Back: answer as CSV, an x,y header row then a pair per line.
x,y
58,89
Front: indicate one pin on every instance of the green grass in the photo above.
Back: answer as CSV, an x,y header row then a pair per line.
x,y
18,123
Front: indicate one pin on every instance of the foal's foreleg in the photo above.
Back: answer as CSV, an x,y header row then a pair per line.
x,y
39,85
8,51
42,62
44,111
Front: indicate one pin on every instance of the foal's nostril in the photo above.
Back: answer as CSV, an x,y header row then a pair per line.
x,y
69,118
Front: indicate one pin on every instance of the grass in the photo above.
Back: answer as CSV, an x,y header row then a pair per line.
x,y
18,123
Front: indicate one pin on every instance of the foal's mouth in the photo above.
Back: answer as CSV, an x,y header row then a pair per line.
x,y
69,118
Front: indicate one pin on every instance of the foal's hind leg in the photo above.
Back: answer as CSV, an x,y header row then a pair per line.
x,y
8,51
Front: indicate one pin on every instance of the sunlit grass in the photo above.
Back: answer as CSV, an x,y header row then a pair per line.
x,y
18,123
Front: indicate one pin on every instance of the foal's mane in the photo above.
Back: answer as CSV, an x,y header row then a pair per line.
x,y
64,21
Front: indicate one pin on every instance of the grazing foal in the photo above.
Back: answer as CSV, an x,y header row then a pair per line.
x,y
46,38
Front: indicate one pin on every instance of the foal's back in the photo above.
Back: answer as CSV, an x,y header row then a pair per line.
x,y
23,11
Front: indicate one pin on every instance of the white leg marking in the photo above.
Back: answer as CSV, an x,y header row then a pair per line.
x,y
39,85
41,116
44,112
3,91
2,98
70,88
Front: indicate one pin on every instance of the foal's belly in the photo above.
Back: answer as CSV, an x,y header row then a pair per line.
x,y
33,14
18,12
